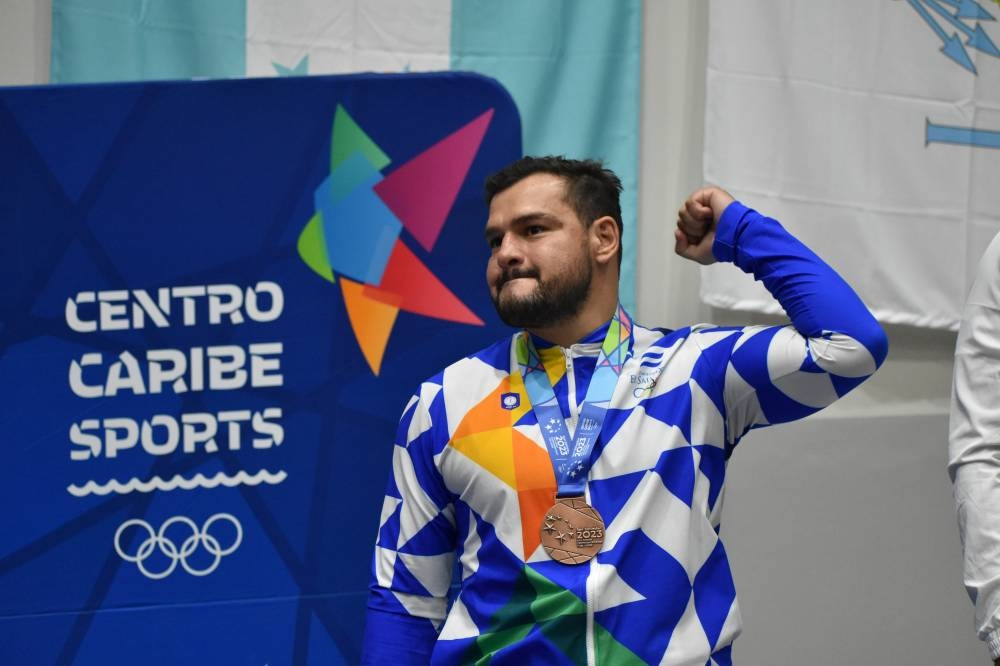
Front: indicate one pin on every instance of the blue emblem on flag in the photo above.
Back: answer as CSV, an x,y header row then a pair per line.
x,y
510,400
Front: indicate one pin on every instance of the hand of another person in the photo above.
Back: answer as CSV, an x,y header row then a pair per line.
x,y
696,222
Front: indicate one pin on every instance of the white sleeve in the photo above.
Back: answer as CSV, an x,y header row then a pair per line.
x,y
974,445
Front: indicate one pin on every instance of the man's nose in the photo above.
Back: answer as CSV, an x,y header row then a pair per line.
x,y
509,252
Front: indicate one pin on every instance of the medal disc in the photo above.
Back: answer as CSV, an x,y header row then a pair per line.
x,y
572,531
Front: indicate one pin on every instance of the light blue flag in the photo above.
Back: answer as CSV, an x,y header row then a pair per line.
x,y
572,68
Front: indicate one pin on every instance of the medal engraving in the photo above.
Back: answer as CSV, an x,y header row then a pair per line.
x,y
572,531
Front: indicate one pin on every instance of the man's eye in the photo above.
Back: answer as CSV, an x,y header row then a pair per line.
x,y
494,243
534,229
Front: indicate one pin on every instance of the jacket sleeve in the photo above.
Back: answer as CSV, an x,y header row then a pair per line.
x,y
415,547
781,373
974,445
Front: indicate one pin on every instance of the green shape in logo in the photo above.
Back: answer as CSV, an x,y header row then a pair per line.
x,y
349,138
312,247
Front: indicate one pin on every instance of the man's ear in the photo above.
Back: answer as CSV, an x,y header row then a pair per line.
x,y
604,240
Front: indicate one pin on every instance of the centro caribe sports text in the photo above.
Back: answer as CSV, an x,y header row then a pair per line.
x,y
175,370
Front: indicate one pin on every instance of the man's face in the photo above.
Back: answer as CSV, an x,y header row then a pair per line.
x,y
540,269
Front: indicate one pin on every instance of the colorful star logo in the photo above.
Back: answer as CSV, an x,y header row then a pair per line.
x,y
354,234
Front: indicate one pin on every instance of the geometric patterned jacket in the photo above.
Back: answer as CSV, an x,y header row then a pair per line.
x,y
459,575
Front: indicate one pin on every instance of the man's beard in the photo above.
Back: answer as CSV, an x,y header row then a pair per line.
x,y
552,302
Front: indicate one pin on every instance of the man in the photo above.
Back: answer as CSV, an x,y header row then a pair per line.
x,y
576,469
974,445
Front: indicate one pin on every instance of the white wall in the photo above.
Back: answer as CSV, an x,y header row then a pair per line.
x,y
840,528
25,29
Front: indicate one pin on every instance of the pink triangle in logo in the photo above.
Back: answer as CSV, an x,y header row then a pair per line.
x,y
422,191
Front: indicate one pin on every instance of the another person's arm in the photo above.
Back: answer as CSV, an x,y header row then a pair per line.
x,y
414,551
974,446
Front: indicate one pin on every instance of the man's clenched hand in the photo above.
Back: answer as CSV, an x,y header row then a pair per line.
x,y
696,222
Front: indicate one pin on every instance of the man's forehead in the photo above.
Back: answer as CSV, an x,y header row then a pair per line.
x,y
534,194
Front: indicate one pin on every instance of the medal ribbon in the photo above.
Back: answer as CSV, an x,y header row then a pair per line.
x,y
571,453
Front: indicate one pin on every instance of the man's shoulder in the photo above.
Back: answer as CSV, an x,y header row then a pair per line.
x,y
488,362
698,336
496,356
662,336
461,384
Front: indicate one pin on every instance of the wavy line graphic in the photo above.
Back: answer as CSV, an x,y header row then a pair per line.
x,y
178,481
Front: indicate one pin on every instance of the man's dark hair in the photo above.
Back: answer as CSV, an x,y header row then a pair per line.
x,y
591,189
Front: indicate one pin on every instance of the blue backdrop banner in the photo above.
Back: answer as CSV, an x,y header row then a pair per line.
x,y
215,300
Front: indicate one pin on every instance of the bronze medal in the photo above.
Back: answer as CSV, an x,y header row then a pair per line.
x,y
572,531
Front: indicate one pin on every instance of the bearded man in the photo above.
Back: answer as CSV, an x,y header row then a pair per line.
x,y
575,469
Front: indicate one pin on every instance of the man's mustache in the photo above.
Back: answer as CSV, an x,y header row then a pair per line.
x,y
515,273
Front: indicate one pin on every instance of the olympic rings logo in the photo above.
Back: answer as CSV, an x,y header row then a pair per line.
x,y
158,540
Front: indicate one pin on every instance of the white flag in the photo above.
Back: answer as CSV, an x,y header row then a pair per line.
x,y
872,131
324,37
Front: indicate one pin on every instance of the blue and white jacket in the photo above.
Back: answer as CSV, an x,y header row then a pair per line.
x,y
471,480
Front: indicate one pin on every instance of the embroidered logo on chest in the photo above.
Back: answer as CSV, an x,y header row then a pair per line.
x,y
510,401
642,383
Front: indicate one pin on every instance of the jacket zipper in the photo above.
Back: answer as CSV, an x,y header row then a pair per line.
x,y
574,416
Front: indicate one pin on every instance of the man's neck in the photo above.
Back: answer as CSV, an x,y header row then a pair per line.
x,y
571,331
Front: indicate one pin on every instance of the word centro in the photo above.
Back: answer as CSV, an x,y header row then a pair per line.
x,y
164,434
120,309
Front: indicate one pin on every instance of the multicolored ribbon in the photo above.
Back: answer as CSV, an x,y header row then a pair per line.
x,y
571,453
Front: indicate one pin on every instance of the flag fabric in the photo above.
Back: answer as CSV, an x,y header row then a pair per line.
x,y
572,68
871,130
